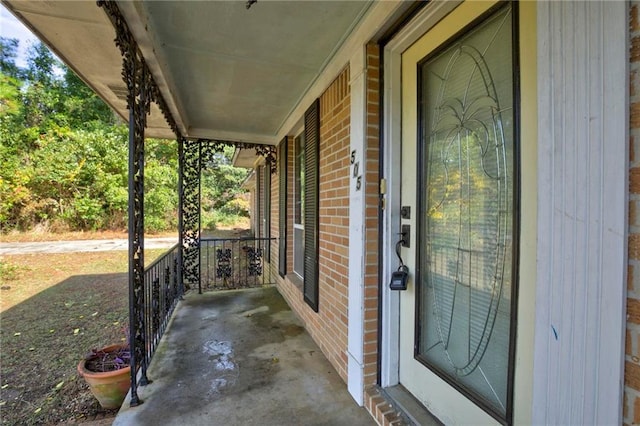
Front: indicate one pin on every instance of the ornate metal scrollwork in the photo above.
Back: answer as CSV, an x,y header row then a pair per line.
x,y
223,258
141,92
254,260
176,280
211,147
168,291
196,155
155,306
190,211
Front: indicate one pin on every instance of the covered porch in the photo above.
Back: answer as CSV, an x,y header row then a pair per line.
x,y
212,77
241,357
339,101
172,95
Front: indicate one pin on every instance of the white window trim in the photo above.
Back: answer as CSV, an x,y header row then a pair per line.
x,y
297,226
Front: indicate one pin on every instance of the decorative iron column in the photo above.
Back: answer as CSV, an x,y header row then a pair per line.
x,y
138,84
194,156
141,92
190,213
180,140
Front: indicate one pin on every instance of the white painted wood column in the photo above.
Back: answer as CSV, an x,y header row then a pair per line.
x,y
357,205
582,212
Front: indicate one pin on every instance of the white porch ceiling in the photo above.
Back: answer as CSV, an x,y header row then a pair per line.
x,y
226,72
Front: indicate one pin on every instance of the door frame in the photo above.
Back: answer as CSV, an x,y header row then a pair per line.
x,y
542,350
392,154
427,18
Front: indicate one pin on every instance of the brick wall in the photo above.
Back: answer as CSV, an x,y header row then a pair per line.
x,y
335,120
631,409
328,327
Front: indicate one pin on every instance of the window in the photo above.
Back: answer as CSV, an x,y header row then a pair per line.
x,y
282,185
267,210
298,206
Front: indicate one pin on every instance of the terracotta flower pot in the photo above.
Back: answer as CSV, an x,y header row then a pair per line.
x,y
109,387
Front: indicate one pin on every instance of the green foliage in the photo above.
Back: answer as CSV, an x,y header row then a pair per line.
x,y
221,187
10,271
65,156
8,54
161,183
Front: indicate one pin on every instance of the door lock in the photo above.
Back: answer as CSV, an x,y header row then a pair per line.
x,y
405,212
405,231
400,277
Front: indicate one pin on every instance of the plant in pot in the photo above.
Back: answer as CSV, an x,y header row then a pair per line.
x,y
107,371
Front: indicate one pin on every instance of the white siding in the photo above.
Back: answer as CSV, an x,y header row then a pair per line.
x,y
582,209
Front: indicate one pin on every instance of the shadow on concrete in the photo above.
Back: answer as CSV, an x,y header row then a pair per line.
x,y
241,357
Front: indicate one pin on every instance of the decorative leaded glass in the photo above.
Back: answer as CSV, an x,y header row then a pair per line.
x,y
466,220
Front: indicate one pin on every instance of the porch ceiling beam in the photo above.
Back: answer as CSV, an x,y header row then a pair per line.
x,y
135,12
128,45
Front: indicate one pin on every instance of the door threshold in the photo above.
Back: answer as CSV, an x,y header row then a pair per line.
x,y
410,406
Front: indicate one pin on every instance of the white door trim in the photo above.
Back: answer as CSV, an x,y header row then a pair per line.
x,y
426,19
357,215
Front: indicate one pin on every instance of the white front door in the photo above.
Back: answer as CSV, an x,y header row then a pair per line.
x,y
459,178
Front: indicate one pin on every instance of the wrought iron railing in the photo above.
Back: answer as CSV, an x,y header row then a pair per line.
x,y
225,263
162,290
231,263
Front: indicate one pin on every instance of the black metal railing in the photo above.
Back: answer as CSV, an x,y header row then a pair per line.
x,y
225,263
231,263
162,290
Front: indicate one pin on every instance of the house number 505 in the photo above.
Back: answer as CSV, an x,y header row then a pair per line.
x,y
356,170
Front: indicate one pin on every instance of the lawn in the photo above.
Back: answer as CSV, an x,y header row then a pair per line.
x,y
53,309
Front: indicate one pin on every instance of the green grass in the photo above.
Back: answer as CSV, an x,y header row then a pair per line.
x,y
54,308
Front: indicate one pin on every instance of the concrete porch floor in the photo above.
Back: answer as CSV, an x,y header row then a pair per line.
x,y
241,357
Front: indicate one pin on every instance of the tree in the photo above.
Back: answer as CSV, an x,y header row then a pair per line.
x,y
64,155
8,55
221,186
82,105
41,65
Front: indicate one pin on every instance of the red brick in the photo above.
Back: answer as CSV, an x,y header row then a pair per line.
x,y
634,246
634,23
625,406
634,180
632,375
633,311
634,49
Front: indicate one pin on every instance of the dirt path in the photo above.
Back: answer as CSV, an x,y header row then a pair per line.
x,y
81,246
